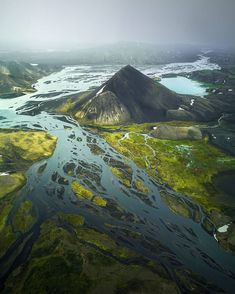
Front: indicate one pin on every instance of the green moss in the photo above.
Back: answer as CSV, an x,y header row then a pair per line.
x,y
66,107
26,145
74,219
25,217
60,263
105,243
6,234
7,238
186,166
4,212
11,183
100,201
55,265
84,194
141,187
117,172
176,205
80,191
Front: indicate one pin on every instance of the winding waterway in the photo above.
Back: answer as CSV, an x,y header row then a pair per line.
x,y
183,242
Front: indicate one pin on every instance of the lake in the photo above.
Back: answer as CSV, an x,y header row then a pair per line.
x,y
182,85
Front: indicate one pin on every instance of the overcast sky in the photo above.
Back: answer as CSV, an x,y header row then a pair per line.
x,y
66,23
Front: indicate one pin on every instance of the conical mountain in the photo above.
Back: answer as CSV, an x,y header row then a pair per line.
x,y
129,96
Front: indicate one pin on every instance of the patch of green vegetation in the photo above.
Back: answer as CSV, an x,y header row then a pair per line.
x,y
26,145
7,238
6,234
11,183
100,240
69,106
24,218
186,166
54,266
100,201
74,219
60,263
135,129
105,243
85,194
66,107
80,191
141,187
117,172
18,150
176,204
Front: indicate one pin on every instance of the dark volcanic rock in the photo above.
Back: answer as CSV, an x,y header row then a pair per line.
x,y
222,137
177,133
129,96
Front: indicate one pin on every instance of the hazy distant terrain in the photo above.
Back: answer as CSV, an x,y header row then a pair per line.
x,y
119,53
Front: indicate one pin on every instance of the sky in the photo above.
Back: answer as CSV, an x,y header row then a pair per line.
x,y
45,24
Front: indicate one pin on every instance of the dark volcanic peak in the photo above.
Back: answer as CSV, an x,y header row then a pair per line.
x,y
134,98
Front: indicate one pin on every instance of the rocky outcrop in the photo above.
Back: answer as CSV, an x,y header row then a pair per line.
x,y
176,133
18,77
104,108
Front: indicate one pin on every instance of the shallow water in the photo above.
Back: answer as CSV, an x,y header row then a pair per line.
x,y
183,242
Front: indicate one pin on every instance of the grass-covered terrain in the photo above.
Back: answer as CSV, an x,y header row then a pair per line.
x,y
18,151
83,193
77,259
187,166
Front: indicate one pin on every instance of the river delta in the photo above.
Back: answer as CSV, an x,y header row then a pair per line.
x,y
89,209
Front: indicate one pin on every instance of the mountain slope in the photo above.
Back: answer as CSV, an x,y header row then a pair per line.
x,y
129,96
17,77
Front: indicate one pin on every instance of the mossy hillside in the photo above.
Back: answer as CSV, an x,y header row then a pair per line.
x,y
187,166
83,193
69,106
60,263
26,145
66,107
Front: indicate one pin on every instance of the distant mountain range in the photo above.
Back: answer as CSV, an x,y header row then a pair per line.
x,y
119,53
18,77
